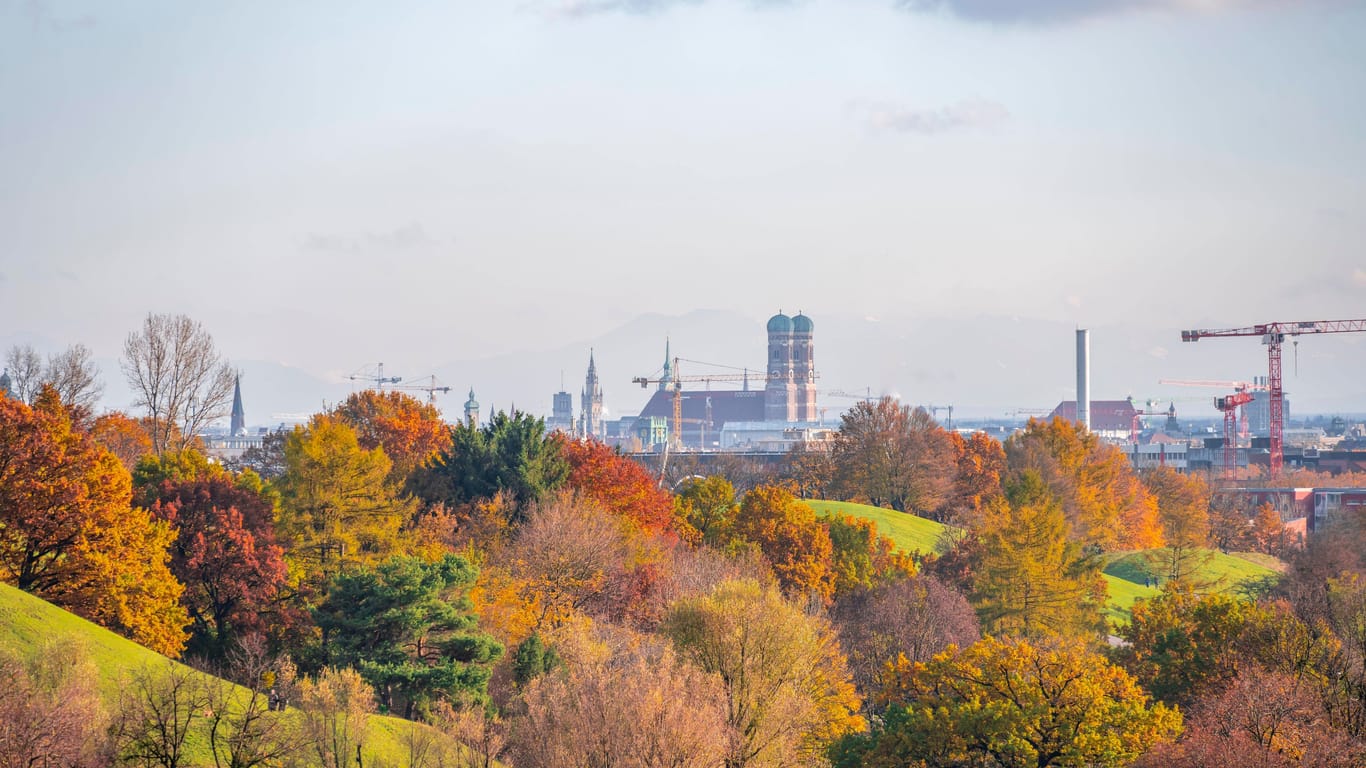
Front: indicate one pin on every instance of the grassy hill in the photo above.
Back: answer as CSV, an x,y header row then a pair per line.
x,y
28,623
1124,572
911,533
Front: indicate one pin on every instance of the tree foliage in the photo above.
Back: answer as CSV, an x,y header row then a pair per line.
x,y
510,454
1104,502
410,431
336,715
602,475
1033,581
226,556
861,557
50,708
408,628
705,506
787,690
1183,511
647,710
1008,703
894,456
122,436
792,540
978,475
337,508
178,377
69,535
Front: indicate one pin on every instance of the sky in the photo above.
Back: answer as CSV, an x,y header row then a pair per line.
x,y
328,184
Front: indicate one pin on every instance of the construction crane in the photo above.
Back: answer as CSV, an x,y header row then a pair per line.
x,y
431,388
675,442
1236,386
1273,335
375,376
1229,405
867,396
934,411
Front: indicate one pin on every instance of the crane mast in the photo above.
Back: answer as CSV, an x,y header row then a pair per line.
x,y
1273,336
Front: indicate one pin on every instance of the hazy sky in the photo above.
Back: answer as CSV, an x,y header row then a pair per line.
x,y
327,184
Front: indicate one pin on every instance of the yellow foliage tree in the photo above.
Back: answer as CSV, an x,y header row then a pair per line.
x,y
792,540
337,507
1105,503
788,689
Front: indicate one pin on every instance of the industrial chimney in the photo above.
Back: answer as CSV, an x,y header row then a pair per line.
x,y
1084,377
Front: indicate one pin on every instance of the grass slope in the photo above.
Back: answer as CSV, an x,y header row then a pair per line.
x,y
911,533
1124,572
28,623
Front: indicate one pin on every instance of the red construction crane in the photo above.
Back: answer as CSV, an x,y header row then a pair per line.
x,y
1273,335
1229,405
1236,386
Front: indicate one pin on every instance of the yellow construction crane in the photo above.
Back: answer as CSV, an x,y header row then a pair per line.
x,y
676,426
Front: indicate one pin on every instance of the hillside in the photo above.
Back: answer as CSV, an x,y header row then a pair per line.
x,y
1124,572
911,533
27,623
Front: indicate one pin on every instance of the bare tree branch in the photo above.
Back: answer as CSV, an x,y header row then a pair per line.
x,y
179,377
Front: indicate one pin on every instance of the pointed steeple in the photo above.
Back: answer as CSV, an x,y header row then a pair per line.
x,y
239,416
668,377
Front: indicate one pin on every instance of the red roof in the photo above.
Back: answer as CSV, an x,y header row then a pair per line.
x,y
1106,415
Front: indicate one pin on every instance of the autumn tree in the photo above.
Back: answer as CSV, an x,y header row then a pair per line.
x,y
604,476
407,627
1183,511
705,507
511,454
914,618
1008,703
861,557
811,469
242,728
647,710
266,458
894,456
1230,523
122,436
69,535
787,689
1032,580
410,432
1180,643
336,715
337,508
1264,719
76,379
226,556
978,475
1104,502
178,377
50,708
791,539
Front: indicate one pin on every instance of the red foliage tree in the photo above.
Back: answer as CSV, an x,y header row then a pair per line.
x,y
617,484
225,555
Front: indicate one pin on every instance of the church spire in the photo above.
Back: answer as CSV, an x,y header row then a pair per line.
x,y
239,416
668,377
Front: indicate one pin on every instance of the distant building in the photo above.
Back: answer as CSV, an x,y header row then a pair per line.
x,y
561,413
781,414
472,411
238,425
590,403
1110,419
5,383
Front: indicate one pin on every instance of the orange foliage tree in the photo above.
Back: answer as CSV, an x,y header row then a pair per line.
x,y
617,484
410,431
122,436
981,467
1105,503
792,540
69,534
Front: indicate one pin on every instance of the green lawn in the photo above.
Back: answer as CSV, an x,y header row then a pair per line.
x,y
1124,572
28,623
911,533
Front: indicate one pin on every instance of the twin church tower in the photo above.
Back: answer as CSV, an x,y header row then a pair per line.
x,y
790,392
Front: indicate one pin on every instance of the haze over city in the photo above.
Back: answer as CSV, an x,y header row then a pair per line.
x,y
485,191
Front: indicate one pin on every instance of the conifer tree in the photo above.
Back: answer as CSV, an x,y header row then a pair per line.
x,y
1033,581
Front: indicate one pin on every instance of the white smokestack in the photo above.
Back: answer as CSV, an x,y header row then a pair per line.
x,y
1084,377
